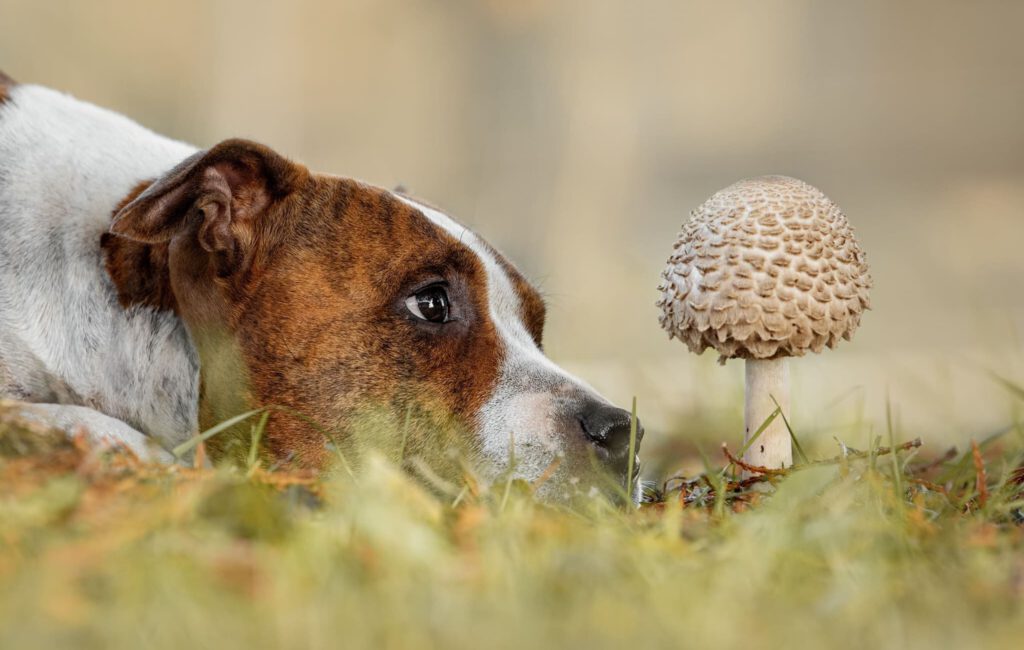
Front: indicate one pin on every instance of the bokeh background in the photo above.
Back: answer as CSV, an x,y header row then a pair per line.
x,y
577,136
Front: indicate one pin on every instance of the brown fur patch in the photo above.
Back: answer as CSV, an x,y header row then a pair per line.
x,y
6,83
139,271
341,275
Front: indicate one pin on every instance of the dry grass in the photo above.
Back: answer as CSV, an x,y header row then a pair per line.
x,y
98,550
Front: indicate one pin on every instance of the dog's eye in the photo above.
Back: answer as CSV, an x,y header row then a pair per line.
x,y
430,304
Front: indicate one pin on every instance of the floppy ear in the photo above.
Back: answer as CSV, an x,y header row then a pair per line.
x,y
220,192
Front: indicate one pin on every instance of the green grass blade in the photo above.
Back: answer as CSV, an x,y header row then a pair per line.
x,y
191,443
792,436
632,453
764,425
718,482
897,471
257,437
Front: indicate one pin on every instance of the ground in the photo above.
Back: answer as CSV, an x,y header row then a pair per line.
x,y
913,549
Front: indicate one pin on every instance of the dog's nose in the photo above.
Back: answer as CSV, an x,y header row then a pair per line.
x,y
609,429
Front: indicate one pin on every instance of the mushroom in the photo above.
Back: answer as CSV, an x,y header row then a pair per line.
x,y
767,268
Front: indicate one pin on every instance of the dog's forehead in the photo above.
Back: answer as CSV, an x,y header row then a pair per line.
x,y
503,293
526,367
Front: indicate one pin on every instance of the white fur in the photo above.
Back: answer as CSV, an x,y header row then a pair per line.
x,y
64,338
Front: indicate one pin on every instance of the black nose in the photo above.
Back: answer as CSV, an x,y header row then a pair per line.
x,y
609,428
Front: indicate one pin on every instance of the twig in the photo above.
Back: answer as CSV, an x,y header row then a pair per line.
x,y
850,453
753,469
750,482
934,487
980,475
736,489
676,477
853,453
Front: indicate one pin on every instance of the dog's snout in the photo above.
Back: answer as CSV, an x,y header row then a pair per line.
x,y
609,428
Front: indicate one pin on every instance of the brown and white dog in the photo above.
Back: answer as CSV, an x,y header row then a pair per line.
x,y
149,290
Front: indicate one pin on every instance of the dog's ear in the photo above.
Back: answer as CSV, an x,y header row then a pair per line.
x,y
220,193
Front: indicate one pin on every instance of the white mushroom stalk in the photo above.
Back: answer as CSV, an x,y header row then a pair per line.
x,y
766,269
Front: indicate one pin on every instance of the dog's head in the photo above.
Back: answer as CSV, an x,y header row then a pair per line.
x,y
360,314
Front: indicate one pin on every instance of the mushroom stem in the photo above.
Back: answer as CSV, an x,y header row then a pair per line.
x,y
767,378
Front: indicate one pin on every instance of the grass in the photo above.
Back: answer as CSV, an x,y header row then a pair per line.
x,y
870,548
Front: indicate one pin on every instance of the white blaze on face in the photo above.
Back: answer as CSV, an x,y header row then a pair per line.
x,y
526,415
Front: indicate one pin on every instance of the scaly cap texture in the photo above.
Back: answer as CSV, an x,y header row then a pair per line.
x,y
766,268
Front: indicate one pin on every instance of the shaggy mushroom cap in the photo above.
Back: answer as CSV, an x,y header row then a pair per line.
x,y
766,268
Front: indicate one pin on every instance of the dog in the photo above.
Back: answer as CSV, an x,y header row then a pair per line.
x,y
150,290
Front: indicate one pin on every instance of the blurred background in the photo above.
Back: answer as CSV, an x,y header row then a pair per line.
x,y
577,136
